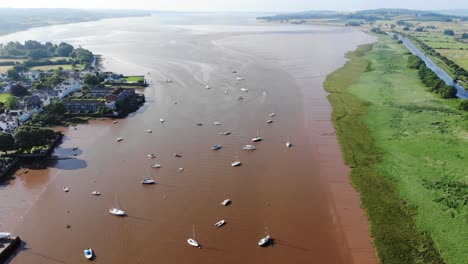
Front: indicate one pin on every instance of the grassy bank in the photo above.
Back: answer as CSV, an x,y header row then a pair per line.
x,y
408,151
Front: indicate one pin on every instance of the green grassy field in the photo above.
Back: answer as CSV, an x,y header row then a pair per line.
x,y
7,99
408,150
53,67
134,79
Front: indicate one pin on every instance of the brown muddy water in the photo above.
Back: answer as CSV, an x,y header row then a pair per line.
x,y
301,195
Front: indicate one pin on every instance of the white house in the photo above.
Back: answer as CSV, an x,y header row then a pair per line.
x,y
67,87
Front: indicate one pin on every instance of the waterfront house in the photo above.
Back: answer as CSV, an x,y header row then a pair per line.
x,y
101,92
83,105
123,93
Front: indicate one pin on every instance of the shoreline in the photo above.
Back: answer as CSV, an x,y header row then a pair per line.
x,y
388,213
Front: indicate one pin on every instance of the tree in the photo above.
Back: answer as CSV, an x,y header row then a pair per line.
x,y
13,74
18,90
6,142
38,54
90,79
64,49
449,32
27,137
463,105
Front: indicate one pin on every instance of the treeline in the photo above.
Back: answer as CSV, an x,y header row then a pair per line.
x,y
27,139
461,74
35,52
430,79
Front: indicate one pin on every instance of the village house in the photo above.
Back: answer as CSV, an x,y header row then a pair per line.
x,y
83,105
67,87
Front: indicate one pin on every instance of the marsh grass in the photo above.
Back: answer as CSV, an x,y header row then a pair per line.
x,y
408,152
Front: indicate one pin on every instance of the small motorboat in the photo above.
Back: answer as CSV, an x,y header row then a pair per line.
x,y
244,89
181,169
96,193
119,139
177,155
26,171
239,78
88,253
149,131
236,164
216,147
217,123
226,202
269,121
208,87
264,241
75,148
117,212
199,124
156,166
249,147
115,122
151,156
272,114
4,235
148,181
162,120
226,133
289,144
65,189
220,223
240,97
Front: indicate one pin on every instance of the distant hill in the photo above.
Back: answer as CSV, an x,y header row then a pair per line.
x,y
368,15
17,19
454,12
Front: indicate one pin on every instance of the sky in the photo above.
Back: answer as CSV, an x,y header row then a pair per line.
x,y
240,5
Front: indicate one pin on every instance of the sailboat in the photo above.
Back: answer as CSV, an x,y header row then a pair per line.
x,y
148,181
249,147
256,139
265,240
117,211
192,241
220,223
226,202
236,163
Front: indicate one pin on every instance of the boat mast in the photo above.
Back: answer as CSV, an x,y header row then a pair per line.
x,y
193,227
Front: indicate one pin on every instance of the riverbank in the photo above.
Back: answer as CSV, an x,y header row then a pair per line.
x,y
405,147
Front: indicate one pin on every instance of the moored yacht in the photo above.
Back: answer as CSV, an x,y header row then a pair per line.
x,y
191,241
119,139
156,166
151,156
289,144
216,147
65,189
96,193
148,181
149,131
226,202
264,241
116,210
220,223
249,147
269,121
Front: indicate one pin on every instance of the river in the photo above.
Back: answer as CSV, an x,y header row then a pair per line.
x,y
300,195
